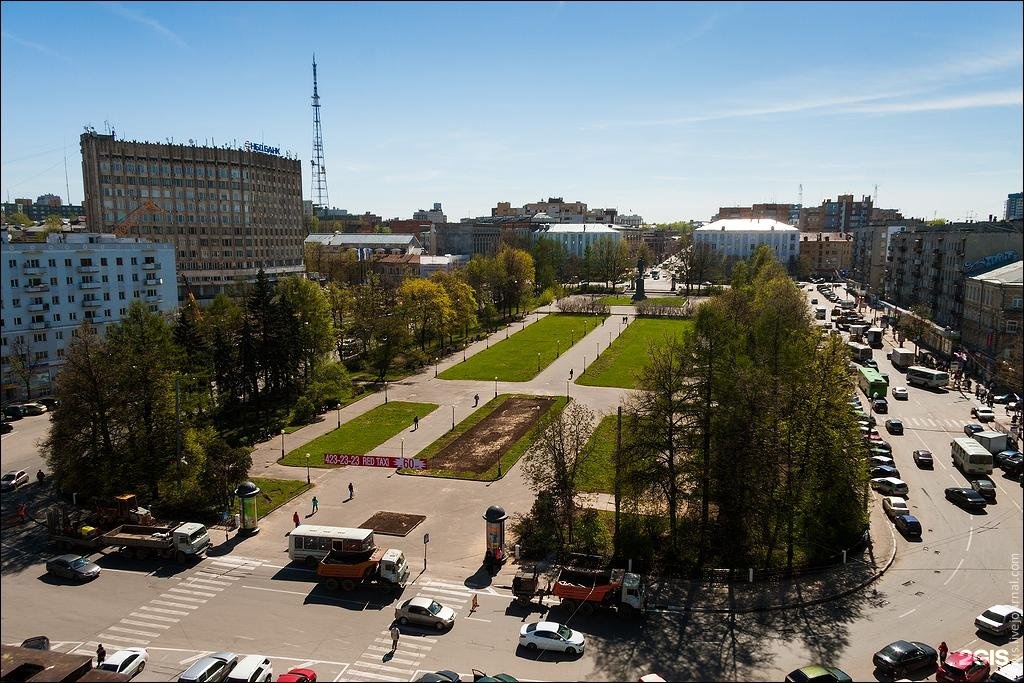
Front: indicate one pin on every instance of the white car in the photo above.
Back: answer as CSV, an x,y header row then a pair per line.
x,y
983,414
251,669
13,479
550,635
130,661
999,620
890,486
900,393
881,461
894,506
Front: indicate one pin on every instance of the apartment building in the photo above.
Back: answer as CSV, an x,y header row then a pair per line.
x,y
434,216
842,215
1014,207
576,238
44,206
783,213
50,288
825,254
871,252
993,304
228,212
930,265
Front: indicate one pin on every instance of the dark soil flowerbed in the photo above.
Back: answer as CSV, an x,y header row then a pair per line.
x,y
392,523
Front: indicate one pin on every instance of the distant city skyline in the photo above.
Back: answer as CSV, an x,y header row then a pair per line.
x,y
668,110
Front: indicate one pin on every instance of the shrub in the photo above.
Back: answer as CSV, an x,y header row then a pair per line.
x,y
304,412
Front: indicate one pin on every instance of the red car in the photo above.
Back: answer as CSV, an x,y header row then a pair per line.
x,y
298,676
963,665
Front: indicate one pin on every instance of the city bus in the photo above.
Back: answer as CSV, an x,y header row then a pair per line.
x,y
872,383
310,543
926,377
970,456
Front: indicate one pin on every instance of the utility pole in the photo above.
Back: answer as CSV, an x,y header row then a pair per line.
x,y
318,177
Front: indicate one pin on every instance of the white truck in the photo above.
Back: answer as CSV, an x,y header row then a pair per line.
x,y
992,440
902,358
874,337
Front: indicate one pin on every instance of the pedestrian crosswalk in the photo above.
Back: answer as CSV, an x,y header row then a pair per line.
x,y
932,424
377,663
167,609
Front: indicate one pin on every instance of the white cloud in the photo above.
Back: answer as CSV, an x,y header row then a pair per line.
x,y
35,46
140,18
973,101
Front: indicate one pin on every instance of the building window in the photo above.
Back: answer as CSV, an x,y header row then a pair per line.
x,y
1012,326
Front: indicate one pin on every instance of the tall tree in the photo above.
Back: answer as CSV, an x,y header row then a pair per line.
x,y
427,306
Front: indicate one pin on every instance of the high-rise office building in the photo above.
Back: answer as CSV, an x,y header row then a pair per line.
x,y
228,212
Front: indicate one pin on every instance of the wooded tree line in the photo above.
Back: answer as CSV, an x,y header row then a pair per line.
x,y
741,441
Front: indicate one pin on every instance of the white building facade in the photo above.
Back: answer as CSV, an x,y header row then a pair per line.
x,y
575,238
740,237
50,288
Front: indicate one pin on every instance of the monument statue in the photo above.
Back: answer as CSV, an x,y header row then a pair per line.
x,y
639,295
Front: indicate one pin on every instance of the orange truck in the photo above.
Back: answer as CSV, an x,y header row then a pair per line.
x,y
346,570
584,590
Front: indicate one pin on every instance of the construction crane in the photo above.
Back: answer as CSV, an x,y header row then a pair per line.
x,y
192,297
132,219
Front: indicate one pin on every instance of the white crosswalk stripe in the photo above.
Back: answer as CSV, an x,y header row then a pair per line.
x,y
153,617
186,598
133,631
121,639
174,604
144,623
204,586
188,592
366,675
444,595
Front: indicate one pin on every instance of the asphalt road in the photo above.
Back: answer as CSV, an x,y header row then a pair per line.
x,y
246,598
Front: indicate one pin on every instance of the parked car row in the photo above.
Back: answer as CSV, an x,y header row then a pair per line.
x,y
232,668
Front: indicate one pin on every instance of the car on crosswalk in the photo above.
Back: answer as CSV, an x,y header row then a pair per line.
x,y
425,612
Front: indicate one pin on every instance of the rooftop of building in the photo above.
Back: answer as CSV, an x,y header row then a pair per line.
x,y
362,239
1010,274
581,227
747,225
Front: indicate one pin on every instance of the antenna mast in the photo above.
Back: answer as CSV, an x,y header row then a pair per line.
x,y
318,179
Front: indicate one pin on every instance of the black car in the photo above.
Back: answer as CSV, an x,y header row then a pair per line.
x,y
1002,398
879,447
901,656
985,487
908,525
6,427
973,428
870,363
894,425
884,471
1008,458
966,498
880,405
924,459
1013,465
14,412
442,676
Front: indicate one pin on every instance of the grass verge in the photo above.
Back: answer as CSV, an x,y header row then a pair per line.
x,y
626,301
508,458
277,492
598,475
620,364
521,356
361,434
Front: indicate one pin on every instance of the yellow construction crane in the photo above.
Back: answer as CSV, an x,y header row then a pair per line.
x,y
132,219
191,297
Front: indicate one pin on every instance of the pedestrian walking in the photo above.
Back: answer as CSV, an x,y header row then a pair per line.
x,y
415,422
295,517
315,504
394,638
943,651
474,605
476,400
101,654
351,491
570,373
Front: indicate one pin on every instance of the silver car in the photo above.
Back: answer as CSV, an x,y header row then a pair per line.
x,y
426,612
73,567
215,667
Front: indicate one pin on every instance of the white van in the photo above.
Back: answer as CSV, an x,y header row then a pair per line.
x,y
252,669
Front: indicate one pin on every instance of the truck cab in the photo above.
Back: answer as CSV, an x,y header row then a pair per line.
x,y
191,538
393,567
633,592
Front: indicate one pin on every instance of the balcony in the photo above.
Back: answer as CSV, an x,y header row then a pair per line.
x,y
91,303
38,326
36,308
37,288
88,269
33,270
151,266
154,299
154,282
89,285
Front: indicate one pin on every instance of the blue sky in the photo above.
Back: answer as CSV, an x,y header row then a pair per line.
x,y
663,109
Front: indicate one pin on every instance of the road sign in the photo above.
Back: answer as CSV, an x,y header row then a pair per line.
x,y
373,461
426,538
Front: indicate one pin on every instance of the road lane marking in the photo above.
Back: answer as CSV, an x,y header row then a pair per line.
x,y
366,674
193,658
136,632
954,572
122,639
163,611
477,619
183,597
278,590
144,623
174,604
381,667
907,613
153,616
970,537
182,590
203,586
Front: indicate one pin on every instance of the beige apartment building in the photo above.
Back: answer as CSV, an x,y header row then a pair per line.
x,y
823,254
993,303
228,212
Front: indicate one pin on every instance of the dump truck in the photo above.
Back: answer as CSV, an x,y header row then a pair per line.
x,y
72,527
381,566
180,541
902,358
583,590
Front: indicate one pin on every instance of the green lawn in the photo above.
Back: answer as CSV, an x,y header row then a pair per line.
x,y
598,475
279,491
517,358
618,366
626,301
508,458
361,434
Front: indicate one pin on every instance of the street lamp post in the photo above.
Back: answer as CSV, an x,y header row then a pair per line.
x,y
339,416
307,468
403,448
558,348
495,387
282,444
435,367
538,361
385,391
453,417
566,389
